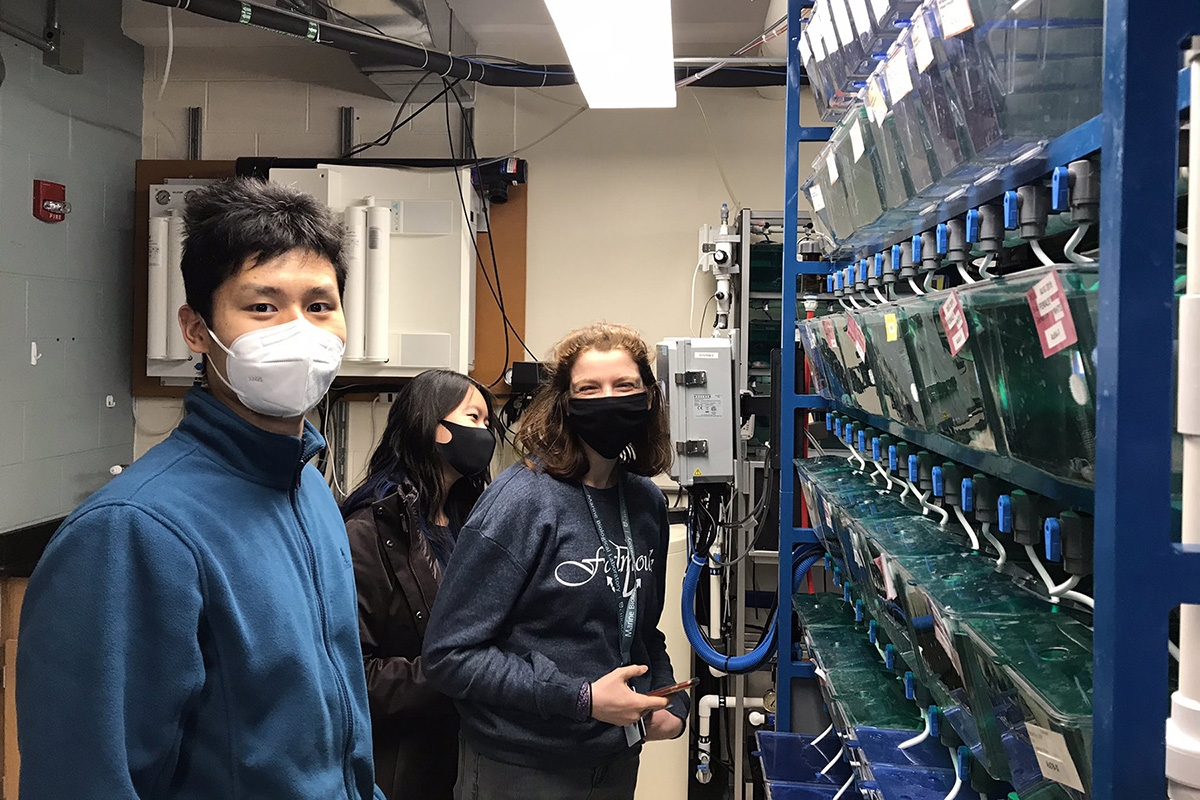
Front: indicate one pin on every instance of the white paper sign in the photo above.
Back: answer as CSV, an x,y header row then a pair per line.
x,y
842,17
862,20
876,102
955,16
856,140
831,166
816,198
898,77
922,47
805,50
1053,756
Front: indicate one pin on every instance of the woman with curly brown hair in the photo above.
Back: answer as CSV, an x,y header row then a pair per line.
x,y
545,630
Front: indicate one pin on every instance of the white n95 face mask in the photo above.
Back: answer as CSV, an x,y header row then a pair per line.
x,y
284,370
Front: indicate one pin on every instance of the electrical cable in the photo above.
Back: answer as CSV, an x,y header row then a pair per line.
x,y
712,145
816,445
700,327
692,306
386,138
170,51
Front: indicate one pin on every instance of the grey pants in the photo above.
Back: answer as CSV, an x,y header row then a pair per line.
x,y
481,778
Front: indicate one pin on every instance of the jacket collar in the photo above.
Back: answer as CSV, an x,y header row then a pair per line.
x,y
271,459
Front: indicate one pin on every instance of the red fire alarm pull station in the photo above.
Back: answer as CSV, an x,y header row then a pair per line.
x,y
50,201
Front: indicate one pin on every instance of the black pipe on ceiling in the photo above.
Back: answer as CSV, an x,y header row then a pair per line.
x,y
394,52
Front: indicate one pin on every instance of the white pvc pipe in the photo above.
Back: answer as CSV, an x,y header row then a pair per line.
x,y
158,319
354,297
709,703
177,349
378,280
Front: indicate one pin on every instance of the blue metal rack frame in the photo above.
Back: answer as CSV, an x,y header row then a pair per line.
x,y
1140,575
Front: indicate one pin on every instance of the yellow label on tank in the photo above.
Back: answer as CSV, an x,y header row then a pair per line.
x,y
893,327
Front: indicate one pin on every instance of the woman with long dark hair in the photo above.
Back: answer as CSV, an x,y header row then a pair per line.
x,y
546,630
423,479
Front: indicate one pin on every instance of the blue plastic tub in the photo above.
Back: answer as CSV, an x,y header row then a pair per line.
x,y
792,758
808,791
881,748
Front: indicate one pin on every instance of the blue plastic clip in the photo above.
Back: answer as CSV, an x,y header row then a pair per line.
x,y
864,267
858,607
939,483
770,722
828,562
895,258
1060,189
876,454
1012,208
873,632
914,470
962,764
889,656
849,277
829,284
829,422
893,459
916,249
1053,540
968,495
934,724
837,427
879,265
1005,515
848,437
910,686
862,441
973,225
837,577
943,238
839,280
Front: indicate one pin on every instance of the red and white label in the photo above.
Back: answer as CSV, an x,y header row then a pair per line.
x,y
1052,315
830,334
856,336
954,322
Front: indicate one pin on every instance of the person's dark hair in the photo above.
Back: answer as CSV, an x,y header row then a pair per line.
x,y
241,222
408,449
546,442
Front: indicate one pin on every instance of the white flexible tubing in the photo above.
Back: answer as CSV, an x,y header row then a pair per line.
x,y
692,308
842,300
962,271
879,294
913,283
1073,242
1181,238
884,473
1173,649
845,787
1041,571
821,738
907,488
1079,597
853,302
1063,588
986,530
833,762
1036,246
966,523
928,281
955,789
985,264
920,737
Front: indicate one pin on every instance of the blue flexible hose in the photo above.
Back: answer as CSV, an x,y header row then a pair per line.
x,y
732,664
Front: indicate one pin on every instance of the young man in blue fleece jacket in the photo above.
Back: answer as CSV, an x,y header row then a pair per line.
x,y
192,630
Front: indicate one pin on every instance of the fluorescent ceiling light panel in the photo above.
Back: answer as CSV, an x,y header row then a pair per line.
x,y
622,51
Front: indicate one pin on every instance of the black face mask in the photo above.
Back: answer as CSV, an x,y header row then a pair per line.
x,y
469,450
608,424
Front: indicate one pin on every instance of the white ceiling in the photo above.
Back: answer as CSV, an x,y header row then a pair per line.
x,y
523,29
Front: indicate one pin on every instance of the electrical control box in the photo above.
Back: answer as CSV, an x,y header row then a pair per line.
x,y
696,378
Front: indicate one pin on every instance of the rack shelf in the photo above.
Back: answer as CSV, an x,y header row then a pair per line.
x,y
1140,575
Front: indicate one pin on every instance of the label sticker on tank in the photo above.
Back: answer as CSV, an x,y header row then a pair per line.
x,y
1053,756
831,166
707,405
898,78
830,334
876,102
892,326
954,323
856,336
862,20
1052,315
856,140
955,16
816,198
922,47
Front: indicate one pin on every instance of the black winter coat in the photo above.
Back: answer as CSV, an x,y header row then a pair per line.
x,y
414,727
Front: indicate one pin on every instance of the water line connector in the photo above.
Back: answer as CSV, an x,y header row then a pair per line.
x,y
873,632
910,686
1052,531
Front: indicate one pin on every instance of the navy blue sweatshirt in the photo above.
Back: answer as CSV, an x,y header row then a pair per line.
x,y
192,630
525,617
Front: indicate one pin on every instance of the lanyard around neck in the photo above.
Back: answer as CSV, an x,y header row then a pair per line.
x,y
626,605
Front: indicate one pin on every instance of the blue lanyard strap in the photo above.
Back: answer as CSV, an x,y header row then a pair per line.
x,y
626,604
